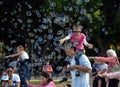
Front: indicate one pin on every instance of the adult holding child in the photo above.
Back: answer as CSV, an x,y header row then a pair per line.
x,y
112,60
84,68
78,40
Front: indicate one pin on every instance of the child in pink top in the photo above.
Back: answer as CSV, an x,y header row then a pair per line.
x,y
46,81
47,68
77,39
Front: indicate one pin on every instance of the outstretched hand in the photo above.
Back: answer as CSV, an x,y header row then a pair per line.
x,y
6,57
61,41
9,56
90,46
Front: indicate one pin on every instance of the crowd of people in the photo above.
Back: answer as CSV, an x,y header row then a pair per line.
x,y
80,67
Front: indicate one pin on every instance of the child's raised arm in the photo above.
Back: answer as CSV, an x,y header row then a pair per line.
x,y
64,39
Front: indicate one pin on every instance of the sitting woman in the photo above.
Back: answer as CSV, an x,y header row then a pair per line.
x,y
46,81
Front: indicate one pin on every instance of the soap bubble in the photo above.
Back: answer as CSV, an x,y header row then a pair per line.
x,y
40,38
28,13
50,36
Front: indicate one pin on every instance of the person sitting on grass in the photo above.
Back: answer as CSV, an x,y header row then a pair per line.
x,y
46,81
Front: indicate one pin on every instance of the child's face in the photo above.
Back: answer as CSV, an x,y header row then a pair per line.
x,y
77,30
10,82
47,63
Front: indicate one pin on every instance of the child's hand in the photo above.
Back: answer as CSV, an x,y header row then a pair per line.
x,y
61,41
90,46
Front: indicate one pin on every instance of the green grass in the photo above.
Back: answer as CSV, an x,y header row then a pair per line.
x,y
35,82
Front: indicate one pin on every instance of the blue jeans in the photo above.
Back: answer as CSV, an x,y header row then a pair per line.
x,y
24,71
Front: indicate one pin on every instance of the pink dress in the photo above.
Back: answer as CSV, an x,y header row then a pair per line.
x,y
78,41
50,84
110,60
114,75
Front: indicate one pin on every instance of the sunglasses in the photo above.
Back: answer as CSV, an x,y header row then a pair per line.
x,y
9,71
77,31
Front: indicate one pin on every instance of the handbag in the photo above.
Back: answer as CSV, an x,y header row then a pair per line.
x,y
115,68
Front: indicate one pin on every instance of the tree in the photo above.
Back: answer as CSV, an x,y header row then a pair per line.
x,y
38,25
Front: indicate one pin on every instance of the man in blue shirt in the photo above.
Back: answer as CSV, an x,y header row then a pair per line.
x,y
84,68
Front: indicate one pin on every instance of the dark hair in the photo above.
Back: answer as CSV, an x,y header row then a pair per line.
x,y
73,47
46,75
10,67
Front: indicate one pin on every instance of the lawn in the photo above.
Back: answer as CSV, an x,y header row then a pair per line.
x,y
34,82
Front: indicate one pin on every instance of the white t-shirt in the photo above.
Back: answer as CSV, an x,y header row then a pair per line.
x,y
24,56
15,78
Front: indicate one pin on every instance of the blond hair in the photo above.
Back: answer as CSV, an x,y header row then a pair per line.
x,y
20,47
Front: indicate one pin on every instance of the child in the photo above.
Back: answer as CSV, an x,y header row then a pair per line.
x,y
77,39
98,81
11,84
47,68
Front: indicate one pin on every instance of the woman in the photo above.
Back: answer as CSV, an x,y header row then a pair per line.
x,y
23,66
112,60
46,81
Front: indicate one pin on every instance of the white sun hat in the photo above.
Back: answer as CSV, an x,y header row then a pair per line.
x,y
4,78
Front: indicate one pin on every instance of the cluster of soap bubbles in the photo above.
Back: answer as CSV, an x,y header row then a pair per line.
x,y
36,26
